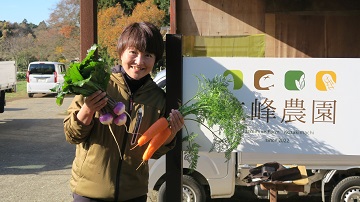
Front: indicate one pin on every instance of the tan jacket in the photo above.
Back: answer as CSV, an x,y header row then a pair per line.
x,y
97,170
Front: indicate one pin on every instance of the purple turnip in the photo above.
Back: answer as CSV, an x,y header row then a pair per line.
x,y
121,119
119,108
106,118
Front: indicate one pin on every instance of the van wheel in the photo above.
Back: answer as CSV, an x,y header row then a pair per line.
x,y
347,190
192,191
31,94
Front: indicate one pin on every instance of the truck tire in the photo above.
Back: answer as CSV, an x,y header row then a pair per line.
x,y
192,191
2,101
347,190
30,94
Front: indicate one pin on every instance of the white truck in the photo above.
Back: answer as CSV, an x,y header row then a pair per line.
x,y
301,112
7,80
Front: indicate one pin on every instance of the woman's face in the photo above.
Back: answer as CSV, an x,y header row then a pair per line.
x,y
137,64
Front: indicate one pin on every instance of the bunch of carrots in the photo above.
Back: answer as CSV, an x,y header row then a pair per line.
x,y
156,135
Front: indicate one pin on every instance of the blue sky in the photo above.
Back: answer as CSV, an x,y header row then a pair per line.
x,y
34,11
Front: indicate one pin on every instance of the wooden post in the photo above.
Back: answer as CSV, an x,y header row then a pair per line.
x,y
172,16
273,195
174,80
88,25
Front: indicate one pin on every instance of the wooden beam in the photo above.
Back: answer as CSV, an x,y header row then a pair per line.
x,y
88,25
172,16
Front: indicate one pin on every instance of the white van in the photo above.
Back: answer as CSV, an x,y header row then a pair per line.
x,y
43,76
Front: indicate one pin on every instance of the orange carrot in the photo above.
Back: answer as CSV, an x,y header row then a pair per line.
x,y
155,143
154,129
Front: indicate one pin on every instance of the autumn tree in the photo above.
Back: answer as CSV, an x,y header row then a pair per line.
x,y
165,6
128,7
9,29
18,48
104,4
65,20
147,11
16,42
66,12
111,22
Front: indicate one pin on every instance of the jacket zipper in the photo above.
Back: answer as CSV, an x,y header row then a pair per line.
x,y
135,133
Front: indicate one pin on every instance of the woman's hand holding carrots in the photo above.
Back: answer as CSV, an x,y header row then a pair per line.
x,y
176,123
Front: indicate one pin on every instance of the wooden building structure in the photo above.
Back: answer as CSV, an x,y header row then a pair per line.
x,y
293,28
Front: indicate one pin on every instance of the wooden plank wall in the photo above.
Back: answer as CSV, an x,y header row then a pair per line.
x,y
288,34
220,17
313,36
342,36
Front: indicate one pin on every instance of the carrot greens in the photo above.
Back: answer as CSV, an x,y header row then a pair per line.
x,y
215,105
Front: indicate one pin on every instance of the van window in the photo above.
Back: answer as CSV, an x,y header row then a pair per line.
x,y
42,68
62,68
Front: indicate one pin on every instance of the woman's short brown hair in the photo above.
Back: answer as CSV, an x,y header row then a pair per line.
x,y
143,36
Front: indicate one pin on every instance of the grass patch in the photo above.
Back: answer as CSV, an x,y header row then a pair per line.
x,y
20,91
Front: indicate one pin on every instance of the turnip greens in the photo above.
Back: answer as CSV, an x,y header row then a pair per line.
x,y
84,78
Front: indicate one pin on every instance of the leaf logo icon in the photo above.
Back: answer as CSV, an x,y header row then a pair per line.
x,y
300,84
295,80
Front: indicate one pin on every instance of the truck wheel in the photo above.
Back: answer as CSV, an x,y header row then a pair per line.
x,y
31,94
192,191
2,101
347,190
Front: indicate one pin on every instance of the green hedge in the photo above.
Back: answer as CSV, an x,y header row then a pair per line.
x,y
21,76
